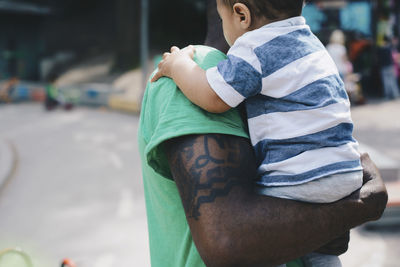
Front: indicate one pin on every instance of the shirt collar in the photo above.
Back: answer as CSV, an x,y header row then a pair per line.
x,y
294,21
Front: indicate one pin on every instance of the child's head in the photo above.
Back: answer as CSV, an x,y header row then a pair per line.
x,y
240,16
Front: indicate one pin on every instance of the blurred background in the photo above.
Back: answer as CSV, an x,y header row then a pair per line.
x,y
72,75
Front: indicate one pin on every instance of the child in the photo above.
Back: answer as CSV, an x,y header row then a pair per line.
x,y
297,108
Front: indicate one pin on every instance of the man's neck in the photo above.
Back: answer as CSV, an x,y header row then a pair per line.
x,y
215,37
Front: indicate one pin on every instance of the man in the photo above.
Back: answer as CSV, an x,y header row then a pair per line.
x,y
197,171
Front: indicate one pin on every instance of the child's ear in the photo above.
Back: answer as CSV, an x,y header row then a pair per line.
x,y
243,15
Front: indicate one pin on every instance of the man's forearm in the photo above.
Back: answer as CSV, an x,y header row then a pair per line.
x,y
230,224
265,230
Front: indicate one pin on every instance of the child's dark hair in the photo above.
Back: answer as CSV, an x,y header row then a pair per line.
x,y
271,9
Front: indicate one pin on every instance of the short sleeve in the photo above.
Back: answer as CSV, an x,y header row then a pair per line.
x,y
166,114
236,78
171,115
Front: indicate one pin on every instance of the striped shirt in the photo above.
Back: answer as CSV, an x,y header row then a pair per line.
x,y
297,108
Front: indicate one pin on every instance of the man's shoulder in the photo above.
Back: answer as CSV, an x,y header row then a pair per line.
x,y
207,57
166,113
165,107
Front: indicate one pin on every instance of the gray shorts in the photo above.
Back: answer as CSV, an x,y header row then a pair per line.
x,y
324,190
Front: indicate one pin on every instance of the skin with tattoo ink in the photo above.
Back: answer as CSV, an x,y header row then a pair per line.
x,y
213,177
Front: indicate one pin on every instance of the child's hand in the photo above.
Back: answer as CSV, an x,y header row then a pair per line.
x,y
173,61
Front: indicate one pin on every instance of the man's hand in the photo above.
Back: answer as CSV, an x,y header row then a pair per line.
x,y
373,193
337,246
374,197
173,61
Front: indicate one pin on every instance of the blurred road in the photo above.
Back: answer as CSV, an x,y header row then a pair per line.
x,y
77,190
377,125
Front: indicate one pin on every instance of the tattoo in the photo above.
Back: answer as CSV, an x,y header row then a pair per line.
x,y
207,167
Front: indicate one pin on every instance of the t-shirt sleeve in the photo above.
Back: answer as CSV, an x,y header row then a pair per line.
x,y
236,78
167,114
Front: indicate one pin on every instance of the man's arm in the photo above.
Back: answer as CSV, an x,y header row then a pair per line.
x,y
232,226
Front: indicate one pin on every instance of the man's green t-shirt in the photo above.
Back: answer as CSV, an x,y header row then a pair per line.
x,y
166,114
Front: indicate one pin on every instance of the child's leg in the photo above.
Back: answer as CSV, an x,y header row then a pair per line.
x,y
321,260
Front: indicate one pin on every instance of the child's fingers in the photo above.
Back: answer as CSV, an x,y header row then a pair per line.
x,y
174,49
165,55
190,49
157,76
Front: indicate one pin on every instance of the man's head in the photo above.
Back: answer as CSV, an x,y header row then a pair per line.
x,y
215,36
270,9
241,16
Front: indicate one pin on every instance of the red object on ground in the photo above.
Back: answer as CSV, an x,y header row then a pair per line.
x,y
68,263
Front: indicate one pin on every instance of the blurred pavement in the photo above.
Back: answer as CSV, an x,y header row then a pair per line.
x,y
377,128
7,161
77,189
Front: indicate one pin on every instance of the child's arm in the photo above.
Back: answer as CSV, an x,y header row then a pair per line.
x,y
190,78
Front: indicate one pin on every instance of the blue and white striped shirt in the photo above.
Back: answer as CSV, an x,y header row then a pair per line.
x,y
297,108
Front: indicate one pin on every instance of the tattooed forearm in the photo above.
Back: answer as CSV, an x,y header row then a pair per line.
x,y
205,168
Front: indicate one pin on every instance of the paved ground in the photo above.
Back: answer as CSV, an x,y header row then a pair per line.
x,y
77,191
77,188
378,125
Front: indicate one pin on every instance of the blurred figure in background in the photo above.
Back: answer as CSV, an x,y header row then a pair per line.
x,y
396,58
337,49
51,101
387,70
56,97
338,52
7,89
